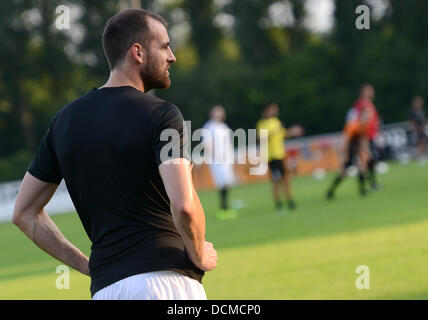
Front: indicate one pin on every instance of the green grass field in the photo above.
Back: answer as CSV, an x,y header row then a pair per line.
x,y
308,254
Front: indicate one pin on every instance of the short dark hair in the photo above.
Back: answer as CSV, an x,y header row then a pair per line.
x,y
123,30
267,105
416,98
365,85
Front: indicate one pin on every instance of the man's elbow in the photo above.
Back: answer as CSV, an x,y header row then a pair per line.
x,y
185,209
17,218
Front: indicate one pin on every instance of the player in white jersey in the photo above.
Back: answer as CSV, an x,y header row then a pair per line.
x,y
218,144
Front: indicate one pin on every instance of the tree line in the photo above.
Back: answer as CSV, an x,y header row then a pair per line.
x,y
232,53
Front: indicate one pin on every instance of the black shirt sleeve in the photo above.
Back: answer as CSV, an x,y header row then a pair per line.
x,y
45,165
170,139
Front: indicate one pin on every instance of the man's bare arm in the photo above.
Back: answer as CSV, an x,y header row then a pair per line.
x,y
294,131
29,215
187,212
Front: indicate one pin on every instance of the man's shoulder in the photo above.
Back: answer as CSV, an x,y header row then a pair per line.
x,y
162,108
153,100
214,125
351,115
358,103
261,122
207,124
70,106
132,98
148,100
272,122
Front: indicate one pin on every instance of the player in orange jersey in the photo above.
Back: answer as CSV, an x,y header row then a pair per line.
x,y
356,149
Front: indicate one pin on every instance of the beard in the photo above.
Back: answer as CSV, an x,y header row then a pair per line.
x,y
154,76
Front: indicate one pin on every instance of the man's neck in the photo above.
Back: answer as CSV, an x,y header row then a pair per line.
x,y
120,78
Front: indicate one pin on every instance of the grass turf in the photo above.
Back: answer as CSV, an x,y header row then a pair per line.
x,y
311,253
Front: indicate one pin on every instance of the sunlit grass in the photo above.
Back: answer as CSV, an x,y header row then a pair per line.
x,y
308,254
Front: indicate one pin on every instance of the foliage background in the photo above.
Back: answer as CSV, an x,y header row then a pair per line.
x,y
242,62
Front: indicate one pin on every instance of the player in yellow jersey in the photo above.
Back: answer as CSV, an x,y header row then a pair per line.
x,y
276,155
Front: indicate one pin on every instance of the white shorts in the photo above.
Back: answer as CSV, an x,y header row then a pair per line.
x,y
159,285
222,175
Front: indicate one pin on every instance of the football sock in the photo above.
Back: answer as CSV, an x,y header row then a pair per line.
x,y
372,173
361,180
335,184
223,196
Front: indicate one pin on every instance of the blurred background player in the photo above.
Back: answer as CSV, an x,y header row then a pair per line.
x,y
365,102
221,153
276,153
356,149
418,121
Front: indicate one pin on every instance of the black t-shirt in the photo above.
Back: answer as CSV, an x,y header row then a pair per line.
x,y
106,146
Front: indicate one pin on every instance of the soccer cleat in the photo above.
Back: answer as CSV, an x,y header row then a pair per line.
x,y
375,186
281,211
221,215
330,195
291,205
229,214
232,213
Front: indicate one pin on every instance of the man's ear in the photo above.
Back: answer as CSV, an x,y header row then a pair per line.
x,y
137,52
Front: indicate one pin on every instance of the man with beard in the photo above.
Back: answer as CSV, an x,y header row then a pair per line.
x,y
138,207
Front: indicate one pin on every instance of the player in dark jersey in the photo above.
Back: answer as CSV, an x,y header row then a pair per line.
x,y
355,150
136,202
418,122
